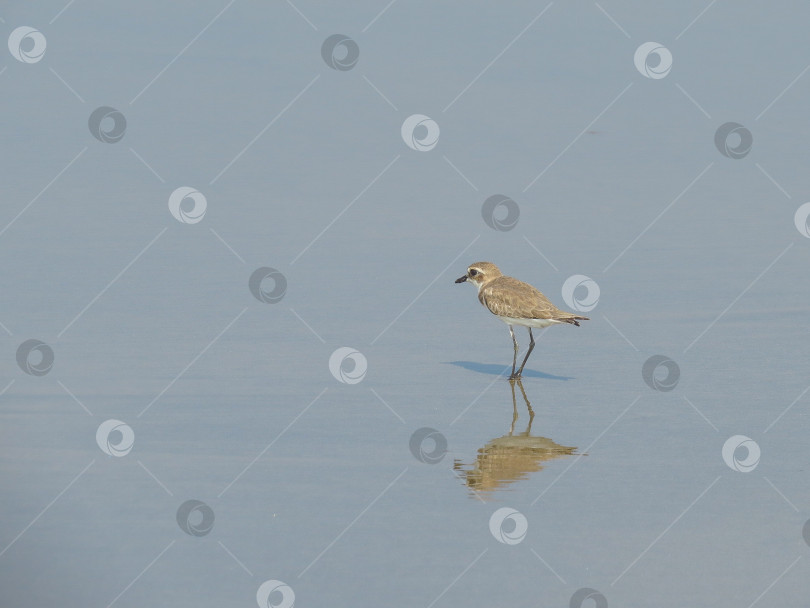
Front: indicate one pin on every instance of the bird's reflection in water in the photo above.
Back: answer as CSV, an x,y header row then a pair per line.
x,y
505,460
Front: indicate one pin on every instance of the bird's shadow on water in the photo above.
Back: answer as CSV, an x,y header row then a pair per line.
x,y
495,369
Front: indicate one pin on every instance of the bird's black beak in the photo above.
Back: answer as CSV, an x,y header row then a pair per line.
x,y
461,279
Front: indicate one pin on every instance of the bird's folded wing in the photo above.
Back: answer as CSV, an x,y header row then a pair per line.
x,y
508,297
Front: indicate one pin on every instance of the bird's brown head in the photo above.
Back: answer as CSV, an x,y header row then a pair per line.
x,y
480,273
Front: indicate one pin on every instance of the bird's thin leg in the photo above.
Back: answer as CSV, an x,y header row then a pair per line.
x,y
514,358
528,352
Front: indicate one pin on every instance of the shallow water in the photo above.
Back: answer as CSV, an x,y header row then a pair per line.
x,y
321,477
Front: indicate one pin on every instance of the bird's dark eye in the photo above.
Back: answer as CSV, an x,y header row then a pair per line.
x,y
473,272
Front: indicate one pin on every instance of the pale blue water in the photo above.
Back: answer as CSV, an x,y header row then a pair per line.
x,y
231,401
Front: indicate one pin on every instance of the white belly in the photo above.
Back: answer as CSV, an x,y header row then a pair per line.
x,y
528,322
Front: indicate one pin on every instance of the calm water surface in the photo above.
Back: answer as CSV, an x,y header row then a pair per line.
x,y
584,476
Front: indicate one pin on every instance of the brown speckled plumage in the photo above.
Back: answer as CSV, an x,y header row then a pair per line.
x,y
509,297
515,303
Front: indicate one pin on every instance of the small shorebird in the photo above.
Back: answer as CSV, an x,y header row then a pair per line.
x,y
515,303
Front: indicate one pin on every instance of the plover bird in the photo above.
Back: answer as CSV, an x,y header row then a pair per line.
x,y
515,303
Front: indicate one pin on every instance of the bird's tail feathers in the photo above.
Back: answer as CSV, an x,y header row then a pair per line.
x,y
573,319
